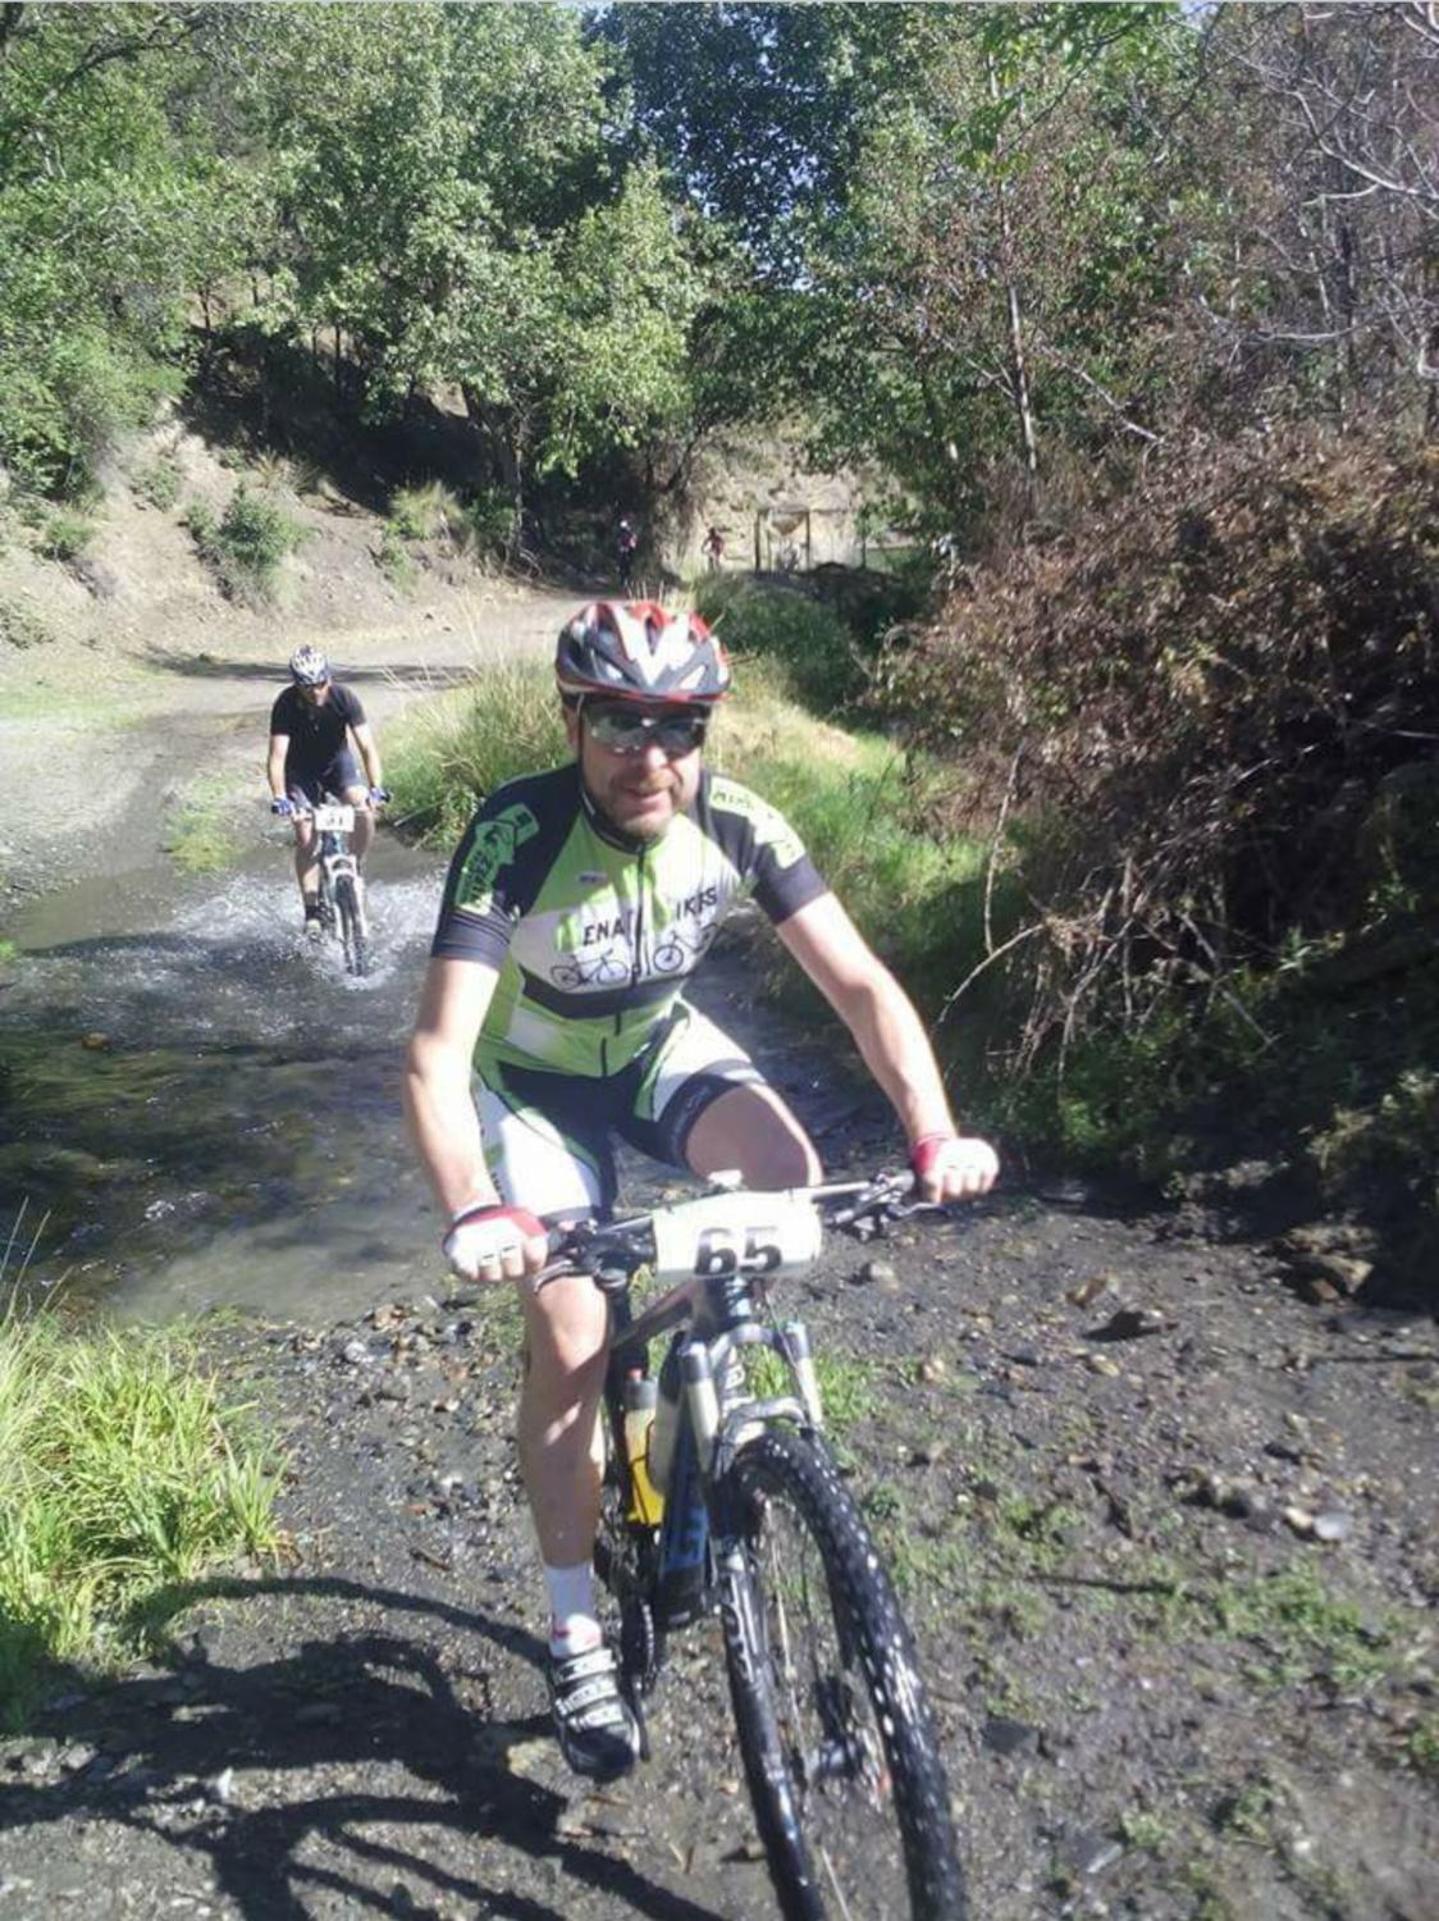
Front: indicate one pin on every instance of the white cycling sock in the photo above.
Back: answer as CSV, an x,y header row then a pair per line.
x,y
574,1625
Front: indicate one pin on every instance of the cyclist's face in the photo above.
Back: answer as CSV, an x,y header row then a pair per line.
x,y
316,696
641,783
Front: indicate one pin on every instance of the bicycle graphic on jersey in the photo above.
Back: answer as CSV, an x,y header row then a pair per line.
x,y
677,950
673,952
609,969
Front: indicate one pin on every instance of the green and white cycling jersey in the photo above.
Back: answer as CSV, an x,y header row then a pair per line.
x,y
595,933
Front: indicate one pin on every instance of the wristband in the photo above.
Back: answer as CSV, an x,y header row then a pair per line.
x,y
927,1150
518,1217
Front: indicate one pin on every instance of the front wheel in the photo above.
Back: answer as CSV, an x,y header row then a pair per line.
x,y
840,1749
352,926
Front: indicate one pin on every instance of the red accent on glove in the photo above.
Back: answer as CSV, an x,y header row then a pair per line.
x,y
530,1227
926,1151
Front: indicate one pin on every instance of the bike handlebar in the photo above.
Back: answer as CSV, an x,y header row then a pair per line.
x,y
862,1209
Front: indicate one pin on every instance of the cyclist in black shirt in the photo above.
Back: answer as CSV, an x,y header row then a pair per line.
x,y
312,724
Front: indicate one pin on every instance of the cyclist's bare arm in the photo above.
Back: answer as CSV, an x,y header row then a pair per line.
x,y
438,1105
369,752
887,1031
275,765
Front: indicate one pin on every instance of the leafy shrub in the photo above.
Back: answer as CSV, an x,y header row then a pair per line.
x,y
428,512
66,536
201,521
158,482
1194,701
20,627
250,540
490,520
393,559
812,644
65,406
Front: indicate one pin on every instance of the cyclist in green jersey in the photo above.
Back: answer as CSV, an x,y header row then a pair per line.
x,y
577,905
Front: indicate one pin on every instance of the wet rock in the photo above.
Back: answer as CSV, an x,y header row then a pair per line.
x,y
1226,1494
1332,1526
877,1274
1326,1260
78,1755
1089,1291
34,1761
1129,1324
1003,1736
97,1043
1089,1853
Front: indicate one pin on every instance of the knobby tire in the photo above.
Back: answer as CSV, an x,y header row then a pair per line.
x,y
843,1838
352,934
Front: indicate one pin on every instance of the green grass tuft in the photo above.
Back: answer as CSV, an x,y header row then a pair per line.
x,y
125,1472
203,837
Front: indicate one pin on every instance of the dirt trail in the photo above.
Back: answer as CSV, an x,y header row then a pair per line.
x,y
86,795
1166,1531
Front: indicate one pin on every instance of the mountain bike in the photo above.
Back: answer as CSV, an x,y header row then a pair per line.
x,y
342,906
720,1494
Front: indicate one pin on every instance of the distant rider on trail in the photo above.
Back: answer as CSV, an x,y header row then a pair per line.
x,y
312,724
627,543
577,905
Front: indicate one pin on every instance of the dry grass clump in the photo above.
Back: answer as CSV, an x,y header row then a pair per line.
x,y
1211,709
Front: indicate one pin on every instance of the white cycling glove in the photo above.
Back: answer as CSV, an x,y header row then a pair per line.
x,y
493,1243
954,1167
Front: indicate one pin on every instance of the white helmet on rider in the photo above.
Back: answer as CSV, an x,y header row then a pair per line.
x,y
637,650
309,667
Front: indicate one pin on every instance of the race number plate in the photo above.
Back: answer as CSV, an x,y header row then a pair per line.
x,y
334,819
740,1233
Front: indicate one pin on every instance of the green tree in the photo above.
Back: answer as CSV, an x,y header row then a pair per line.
x,y
104,226
453,207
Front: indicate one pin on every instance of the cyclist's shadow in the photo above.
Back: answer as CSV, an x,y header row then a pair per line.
x,y
364,1701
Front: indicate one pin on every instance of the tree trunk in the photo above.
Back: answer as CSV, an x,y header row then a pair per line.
x,y
506,441
1018,365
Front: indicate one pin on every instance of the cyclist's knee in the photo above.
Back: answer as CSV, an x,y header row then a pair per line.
x,y
751,1130
564,1332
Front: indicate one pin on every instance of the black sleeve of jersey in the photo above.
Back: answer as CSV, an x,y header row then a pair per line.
x,y
347,705
500,865
280,721
765,849
782,891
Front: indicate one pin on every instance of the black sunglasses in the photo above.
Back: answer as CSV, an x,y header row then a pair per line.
x,y
623,730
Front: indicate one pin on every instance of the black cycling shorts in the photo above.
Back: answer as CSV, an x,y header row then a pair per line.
x,y
310,785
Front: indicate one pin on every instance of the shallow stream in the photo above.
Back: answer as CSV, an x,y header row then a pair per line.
x,y
207,1108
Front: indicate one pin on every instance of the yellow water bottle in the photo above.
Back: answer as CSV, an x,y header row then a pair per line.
x,y
641,1396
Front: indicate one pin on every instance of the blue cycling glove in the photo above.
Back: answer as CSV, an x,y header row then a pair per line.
x,y
378,796
283,806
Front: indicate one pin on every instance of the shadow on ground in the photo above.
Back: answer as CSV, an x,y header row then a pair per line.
x,y
314,1739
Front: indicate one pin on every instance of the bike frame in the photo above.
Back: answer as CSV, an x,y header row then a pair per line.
x,y
336,860
710,1319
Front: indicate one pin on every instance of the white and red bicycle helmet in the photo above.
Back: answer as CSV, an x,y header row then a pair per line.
x,y
638,650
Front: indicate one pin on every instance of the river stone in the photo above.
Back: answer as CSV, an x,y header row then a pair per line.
x,y
1003,1736
1332,1526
